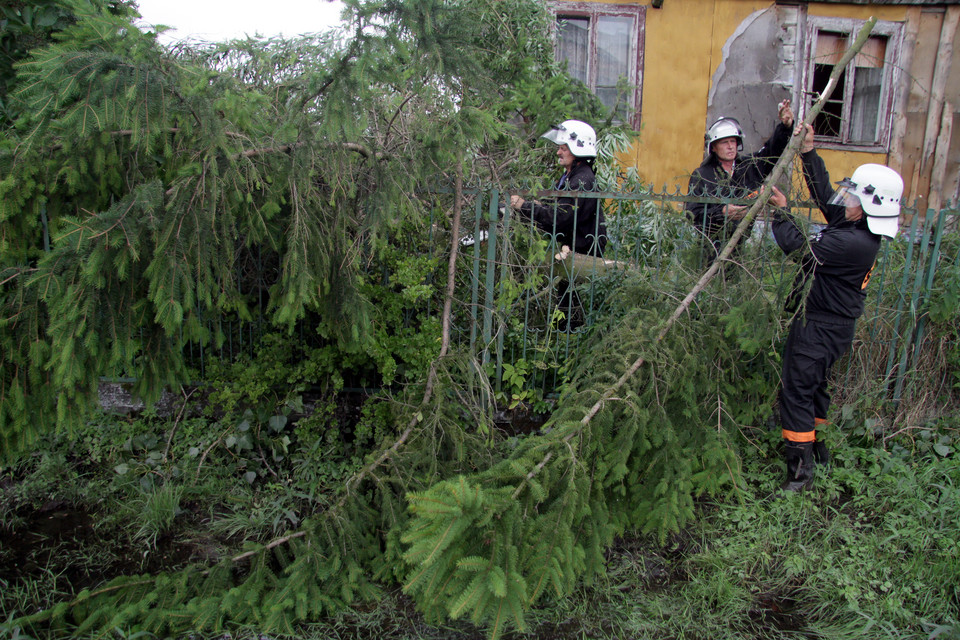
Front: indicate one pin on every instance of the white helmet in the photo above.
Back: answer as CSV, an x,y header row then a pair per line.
x,y
724,128
578,136
878,189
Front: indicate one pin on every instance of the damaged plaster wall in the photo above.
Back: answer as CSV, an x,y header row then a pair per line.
x,y
756,72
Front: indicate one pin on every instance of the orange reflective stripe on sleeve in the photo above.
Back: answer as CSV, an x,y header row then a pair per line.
x,y
800,436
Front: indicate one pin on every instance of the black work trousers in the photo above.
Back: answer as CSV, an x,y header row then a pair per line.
x,y
813,346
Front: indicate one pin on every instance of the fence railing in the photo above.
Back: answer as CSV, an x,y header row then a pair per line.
x,y
541,324
524,309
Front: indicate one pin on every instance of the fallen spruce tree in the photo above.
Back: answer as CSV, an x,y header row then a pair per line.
x,y
625,449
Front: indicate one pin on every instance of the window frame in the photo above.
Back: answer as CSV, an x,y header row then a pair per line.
x,y
592,11
893,31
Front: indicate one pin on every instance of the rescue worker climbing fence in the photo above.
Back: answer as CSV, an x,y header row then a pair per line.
x,y
861,211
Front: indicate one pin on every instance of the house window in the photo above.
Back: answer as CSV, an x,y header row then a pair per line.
x,y
602,45
858,113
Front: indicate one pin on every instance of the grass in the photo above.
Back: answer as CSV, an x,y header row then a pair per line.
x,y
157,512
873,551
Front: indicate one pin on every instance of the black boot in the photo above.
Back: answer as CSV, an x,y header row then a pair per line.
x,y
820,454
799,458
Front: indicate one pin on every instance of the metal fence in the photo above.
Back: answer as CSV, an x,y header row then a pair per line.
x,y
538,325
524,309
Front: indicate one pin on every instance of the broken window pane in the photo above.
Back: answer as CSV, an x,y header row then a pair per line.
x,y
830,47
827,122
850,116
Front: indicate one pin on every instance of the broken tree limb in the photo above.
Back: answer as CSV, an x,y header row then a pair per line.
x,y
786,159
358,477
354,481
580,266
776,174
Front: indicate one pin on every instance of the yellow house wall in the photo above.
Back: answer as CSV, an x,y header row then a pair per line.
x,y
683,49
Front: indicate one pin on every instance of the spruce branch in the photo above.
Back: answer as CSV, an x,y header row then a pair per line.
x,y
396,114
369,470
270,545
452,261
287,148
352,53
263,458
284,148
446,316
786,159
176,423
209,449
84,596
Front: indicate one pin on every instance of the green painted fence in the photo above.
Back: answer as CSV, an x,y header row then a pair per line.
x,y
648,233
511,311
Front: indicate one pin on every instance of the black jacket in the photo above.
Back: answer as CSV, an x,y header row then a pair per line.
x,y
749,172
579,219
841,256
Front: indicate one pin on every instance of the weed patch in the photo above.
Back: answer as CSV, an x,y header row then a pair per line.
x,y
873,551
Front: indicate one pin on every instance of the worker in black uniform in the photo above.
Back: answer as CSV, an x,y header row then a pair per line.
x,y
575,222
725,173
841,257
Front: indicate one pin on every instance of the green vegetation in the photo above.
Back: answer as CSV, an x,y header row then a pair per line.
x,y
30,24
155,203
236,487
261,230
871,552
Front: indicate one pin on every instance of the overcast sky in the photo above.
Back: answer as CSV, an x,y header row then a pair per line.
x,y
215,20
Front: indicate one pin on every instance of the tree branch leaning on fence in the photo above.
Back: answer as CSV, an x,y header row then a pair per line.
x,y
778,171
358,477
775,175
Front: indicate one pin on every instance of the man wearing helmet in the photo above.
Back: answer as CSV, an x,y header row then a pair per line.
x,y
859,212
576,222
725,173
